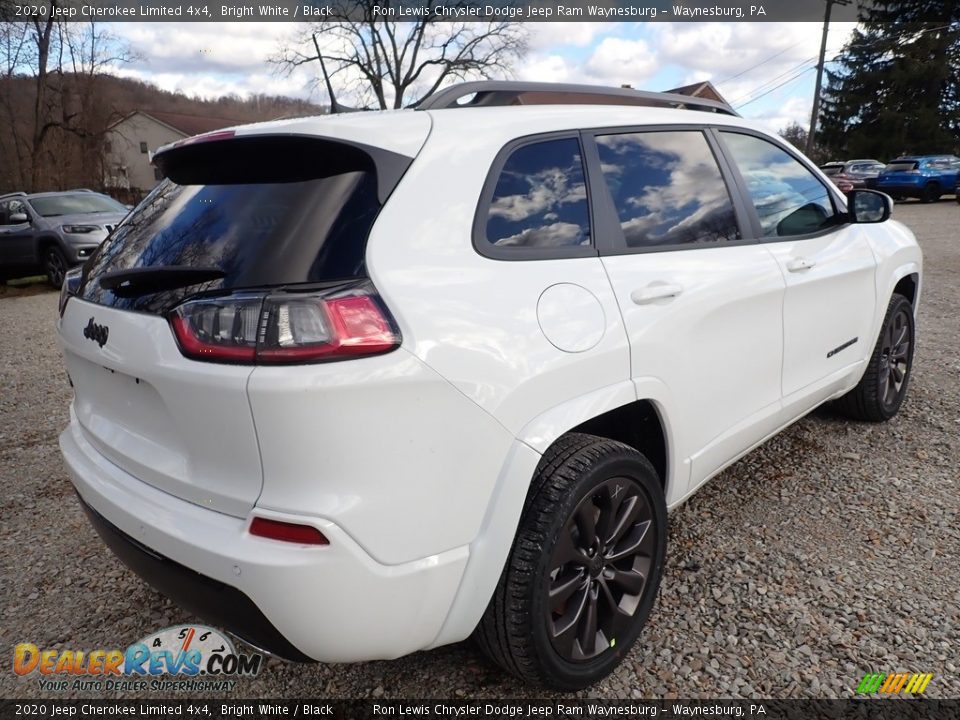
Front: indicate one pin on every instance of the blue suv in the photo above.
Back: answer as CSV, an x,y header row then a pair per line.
x,y
926,177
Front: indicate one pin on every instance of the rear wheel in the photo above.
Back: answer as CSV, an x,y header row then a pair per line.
x,y
585,566
883,387
931,193
55,265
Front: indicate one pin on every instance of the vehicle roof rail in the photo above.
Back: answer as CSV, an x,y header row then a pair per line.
x,y
80,190
497,93
18,193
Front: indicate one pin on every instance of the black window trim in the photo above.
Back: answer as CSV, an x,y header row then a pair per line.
x,y
839,204
495,252
611,241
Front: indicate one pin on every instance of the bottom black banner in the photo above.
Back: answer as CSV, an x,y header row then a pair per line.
x,y
872,709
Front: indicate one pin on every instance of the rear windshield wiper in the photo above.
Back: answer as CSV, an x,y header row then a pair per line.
x,y
145,280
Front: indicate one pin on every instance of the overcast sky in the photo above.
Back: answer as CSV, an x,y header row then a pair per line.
x,y
745,60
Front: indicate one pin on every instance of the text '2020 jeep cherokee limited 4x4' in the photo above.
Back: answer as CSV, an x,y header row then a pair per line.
x,y
373,383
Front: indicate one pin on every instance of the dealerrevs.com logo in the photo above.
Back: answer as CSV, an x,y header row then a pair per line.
x,y
182,657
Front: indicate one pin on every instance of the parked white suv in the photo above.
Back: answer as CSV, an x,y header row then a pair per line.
x,y
360,385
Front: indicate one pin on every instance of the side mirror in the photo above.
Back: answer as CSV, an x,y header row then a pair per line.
x,y
18,218
869,206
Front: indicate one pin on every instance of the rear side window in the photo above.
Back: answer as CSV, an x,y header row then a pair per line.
x,y
900,166
540,199
789,199
267,212
667,189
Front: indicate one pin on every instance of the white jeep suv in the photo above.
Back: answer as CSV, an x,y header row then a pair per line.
x,y
360,385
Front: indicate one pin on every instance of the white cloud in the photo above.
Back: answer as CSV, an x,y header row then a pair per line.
x,y
794,109
617,61
552,35
546,68
744,59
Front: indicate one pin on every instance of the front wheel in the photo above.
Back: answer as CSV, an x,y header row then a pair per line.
x,y
585,566
931,193
55,264
883,387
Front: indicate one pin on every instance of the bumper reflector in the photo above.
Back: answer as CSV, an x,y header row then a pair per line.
x,y
287,532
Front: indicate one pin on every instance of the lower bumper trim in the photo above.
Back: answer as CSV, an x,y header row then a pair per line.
x,y
215,602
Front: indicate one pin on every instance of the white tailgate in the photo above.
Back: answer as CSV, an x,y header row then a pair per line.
x,y
184,427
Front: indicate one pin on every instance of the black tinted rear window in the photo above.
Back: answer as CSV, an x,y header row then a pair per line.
x,y
301,218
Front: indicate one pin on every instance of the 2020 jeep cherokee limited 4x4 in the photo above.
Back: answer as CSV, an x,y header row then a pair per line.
x,y
361,385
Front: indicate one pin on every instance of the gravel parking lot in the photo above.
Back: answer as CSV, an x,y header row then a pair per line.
x,y
832,551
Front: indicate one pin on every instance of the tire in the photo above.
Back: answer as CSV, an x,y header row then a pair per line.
x,y
581,482
931,193
879,395
55,265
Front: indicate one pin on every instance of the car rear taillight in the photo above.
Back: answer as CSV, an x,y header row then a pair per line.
x,y
285,328
287,532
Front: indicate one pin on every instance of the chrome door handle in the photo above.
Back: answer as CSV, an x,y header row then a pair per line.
x,y
800,264
655,291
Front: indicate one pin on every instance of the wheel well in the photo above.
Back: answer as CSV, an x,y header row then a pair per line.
x,y
44,242
637,425
907,286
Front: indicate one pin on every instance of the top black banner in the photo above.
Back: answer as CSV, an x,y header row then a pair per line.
x,y
452,11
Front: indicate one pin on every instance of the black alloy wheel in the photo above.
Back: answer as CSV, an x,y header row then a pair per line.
x,y
883,387
895,355
600,567
55,265
585,566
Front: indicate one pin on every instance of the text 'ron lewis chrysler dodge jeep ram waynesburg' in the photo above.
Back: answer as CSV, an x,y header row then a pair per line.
x,y
359,385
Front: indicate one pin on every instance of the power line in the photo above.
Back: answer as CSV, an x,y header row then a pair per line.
x,y
773,80
762,62
777,87
834,54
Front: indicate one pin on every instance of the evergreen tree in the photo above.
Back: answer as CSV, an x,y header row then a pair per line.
x,y
896,85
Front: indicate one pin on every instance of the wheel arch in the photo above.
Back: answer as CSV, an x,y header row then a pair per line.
x,y
604,413
43,242
631,412
908,286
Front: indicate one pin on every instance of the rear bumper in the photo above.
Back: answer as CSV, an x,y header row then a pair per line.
x,y
333,603
215,602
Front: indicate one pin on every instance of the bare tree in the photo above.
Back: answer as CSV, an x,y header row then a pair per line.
x,y
13,48
52,70
381,62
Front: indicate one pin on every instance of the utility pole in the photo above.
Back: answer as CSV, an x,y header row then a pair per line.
x,y
815,113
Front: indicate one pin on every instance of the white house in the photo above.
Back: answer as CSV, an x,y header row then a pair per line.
x,y
130,143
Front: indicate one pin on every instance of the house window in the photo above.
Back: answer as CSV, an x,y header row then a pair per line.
x,y
143,147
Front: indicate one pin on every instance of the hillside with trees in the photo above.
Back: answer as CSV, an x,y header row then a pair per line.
x,y
82,107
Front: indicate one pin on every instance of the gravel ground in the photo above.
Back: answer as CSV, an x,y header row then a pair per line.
x,y
831,551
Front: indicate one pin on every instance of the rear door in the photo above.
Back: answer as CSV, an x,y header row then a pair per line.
x,y
702,305
827,265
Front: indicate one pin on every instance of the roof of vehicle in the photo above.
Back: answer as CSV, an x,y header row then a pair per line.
x,y
55,193
520,107
405,131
